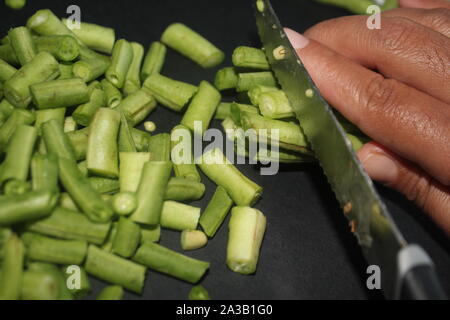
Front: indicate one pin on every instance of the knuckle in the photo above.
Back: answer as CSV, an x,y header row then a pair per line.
x,y
438,19
397,34
417,188
380,96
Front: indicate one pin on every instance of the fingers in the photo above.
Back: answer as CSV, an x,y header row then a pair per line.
x,y
385,167
425,4
407,121
435,19
401,49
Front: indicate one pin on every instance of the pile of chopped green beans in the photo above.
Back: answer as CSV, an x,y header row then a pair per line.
x,y
82,187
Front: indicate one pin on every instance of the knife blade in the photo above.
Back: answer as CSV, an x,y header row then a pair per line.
x,y
381,241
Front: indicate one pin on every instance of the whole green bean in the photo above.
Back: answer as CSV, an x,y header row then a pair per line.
x,y
192,45
62,47
39,285
56,251
202,108
218,168
127,238
12,268
166,261
59,93
6,70
56,141
23,45
82,192
71,225
113,95
111,293
133,78
131,166
17,162
179,216
122,57
96,37
42,68
170,93
216,212
44,172
114,269
181,154
181,189
26,207
154,60
85,112
102,152
151,192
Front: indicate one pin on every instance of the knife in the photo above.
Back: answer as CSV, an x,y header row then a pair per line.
x,y
407,271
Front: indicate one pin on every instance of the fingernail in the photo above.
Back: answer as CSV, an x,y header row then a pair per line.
x,y
297,40
380,168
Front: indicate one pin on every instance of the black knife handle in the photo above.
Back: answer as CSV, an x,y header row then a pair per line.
x,y
417,278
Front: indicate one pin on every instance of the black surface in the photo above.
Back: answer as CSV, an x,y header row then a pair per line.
x,y
308,252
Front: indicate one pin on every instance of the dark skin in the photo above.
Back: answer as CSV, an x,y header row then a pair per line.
x,y
394,84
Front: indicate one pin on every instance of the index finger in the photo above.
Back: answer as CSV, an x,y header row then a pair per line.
x,y
425,4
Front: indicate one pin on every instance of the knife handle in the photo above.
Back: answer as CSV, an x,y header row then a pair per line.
x,y
417,277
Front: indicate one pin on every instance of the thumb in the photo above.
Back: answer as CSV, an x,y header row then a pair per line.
x,y
389,169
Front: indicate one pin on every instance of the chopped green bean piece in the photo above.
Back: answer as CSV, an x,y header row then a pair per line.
x,y
70,125
80,289
198,293
179,216
96,37
246,81
202,108
42,68
39,285
183,164
22,44
59,93
126,141
16,4
255,92
193,239
216,212
54,271
7,53
248,57
102,152
63,47
131,165
45,115
56,141
181,189
361,6
111,293
71,225
151,191
141,139
44,172
85,112
133,77
113,95
122,57
166,261
124,203
65,71
90,69
192,45
44,22
246,232
79,141
6,71
134,104
150,233
104,185
218,168
16,187
224,109
154,60
226,78
127,238
114,269
272,103
18,117
12,268
170,93
160,147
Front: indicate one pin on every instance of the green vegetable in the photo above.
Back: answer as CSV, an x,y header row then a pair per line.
x,y
224,109
138,102
114,269
113,95
45,115
12,268
96,37
179,216
248,57
192,45
18,117
82,192
71,225
181,189
7,53
125,141
131,165
111,293
39,285
54,272
16,4
199,293
154,60
65,71
102,151
183,164
218,168
122,57
246,232
59,93
16,187
150,233
6,71
84,283
226,78
85,112
127,238
57,251
44,172
90,68
151,192
22,44
124,203
56,141
133,77
63,47
271,101
246,81
202,108
44,22
170,93
42,68
159,146
193,239
78,141
216,212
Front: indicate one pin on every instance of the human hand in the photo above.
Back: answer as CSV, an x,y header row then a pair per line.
x,y
404,105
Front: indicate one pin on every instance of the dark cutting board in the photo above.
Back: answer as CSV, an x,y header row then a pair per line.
x,y
308,252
